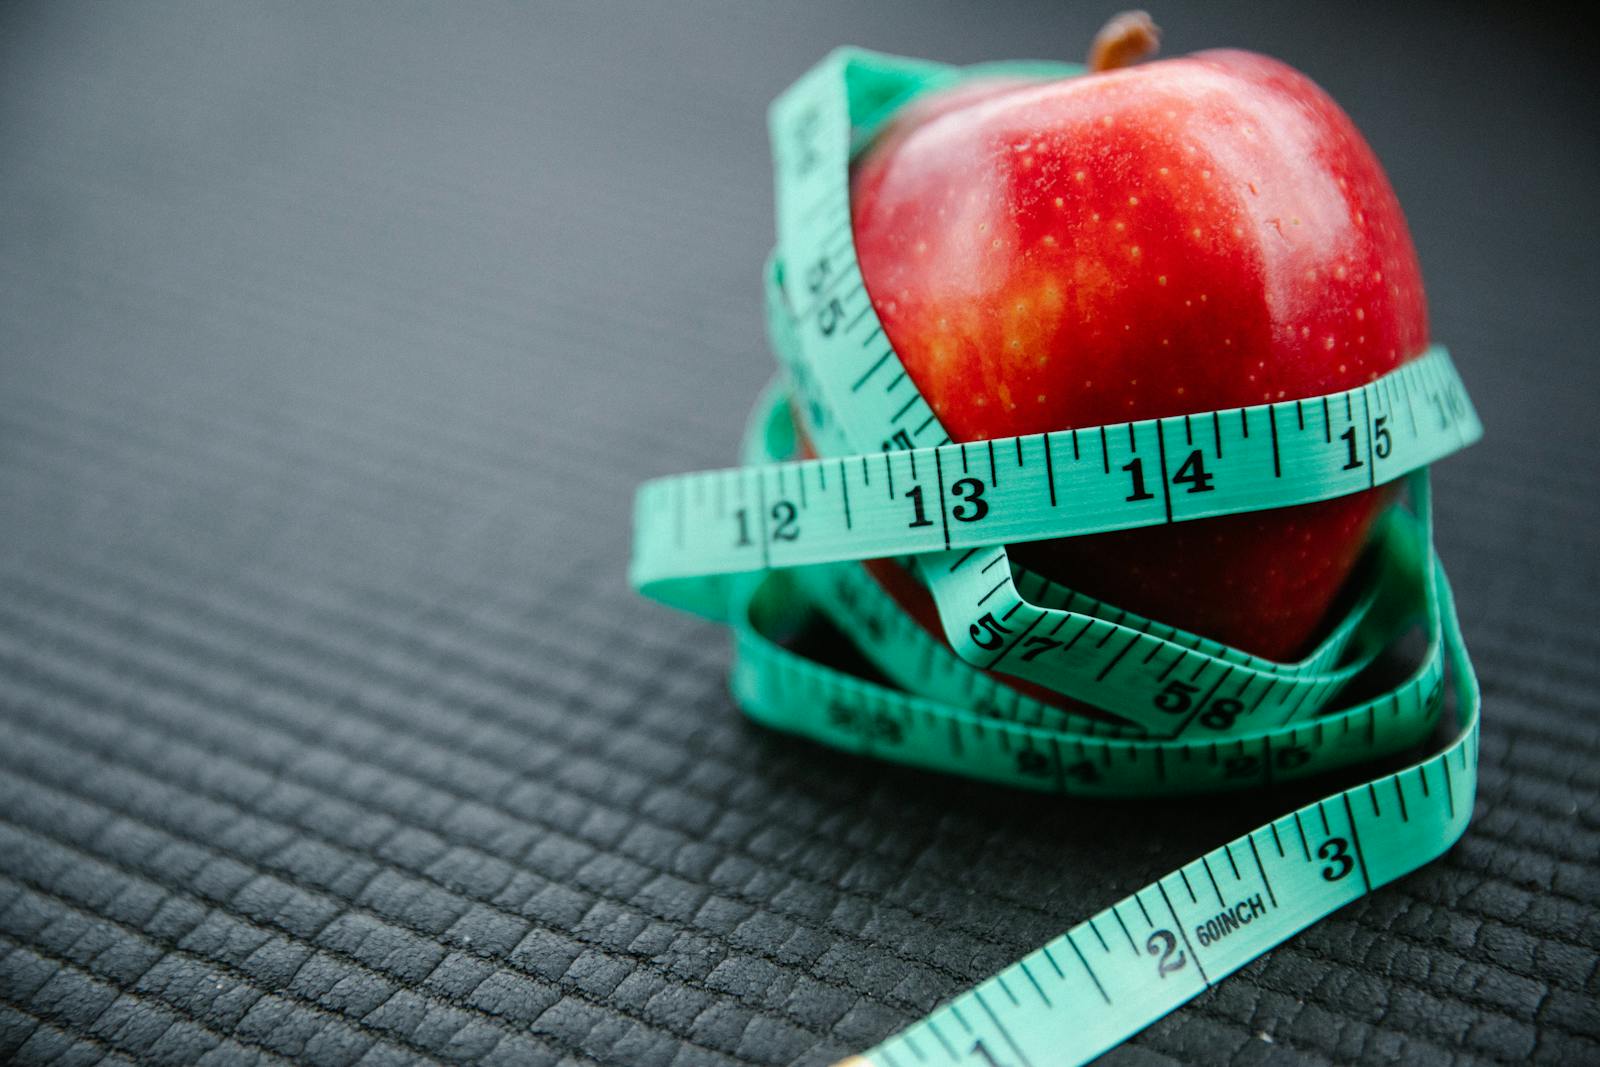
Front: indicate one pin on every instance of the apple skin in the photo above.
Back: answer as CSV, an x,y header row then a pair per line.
x,y
1185,235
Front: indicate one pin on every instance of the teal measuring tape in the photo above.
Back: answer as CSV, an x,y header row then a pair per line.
x,y
768,545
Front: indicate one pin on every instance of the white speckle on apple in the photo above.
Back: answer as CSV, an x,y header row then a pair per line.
x,y
1361,314
1077,176
1195,233
1060,201
1105,120
1133,250
1377,275
1161,279
1119,226
1133,201
1342,367
1049,240
1041,398
1305,331
1163,171
1205,175
1327,342
922,248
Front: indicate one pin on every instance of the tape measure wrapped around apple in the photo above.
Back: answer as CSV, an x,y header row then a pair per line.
x,y
1204,247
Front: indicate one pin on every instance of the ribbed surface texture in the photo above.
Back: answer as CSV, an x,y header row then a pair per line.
x,y
332,345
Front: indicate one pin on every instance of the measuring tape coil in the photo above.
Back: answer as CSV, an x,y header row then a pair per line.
x,y
766,545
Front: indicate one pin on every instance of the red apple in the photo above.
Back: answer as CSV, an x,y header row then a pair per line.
x,y
1197,233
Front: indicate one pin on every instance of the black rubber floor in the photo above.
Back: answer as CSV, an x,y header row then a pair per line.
x,y
332,345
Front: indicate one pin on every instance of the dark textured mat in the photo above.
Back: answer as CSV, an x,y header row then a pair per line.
x,y
331,348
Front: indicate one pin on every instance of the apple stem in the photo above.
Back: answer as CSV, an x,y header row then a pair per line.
x,y
1127,38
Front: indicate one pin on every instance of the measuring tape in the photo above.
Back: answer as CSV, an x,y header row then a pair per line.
x,y
770,545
